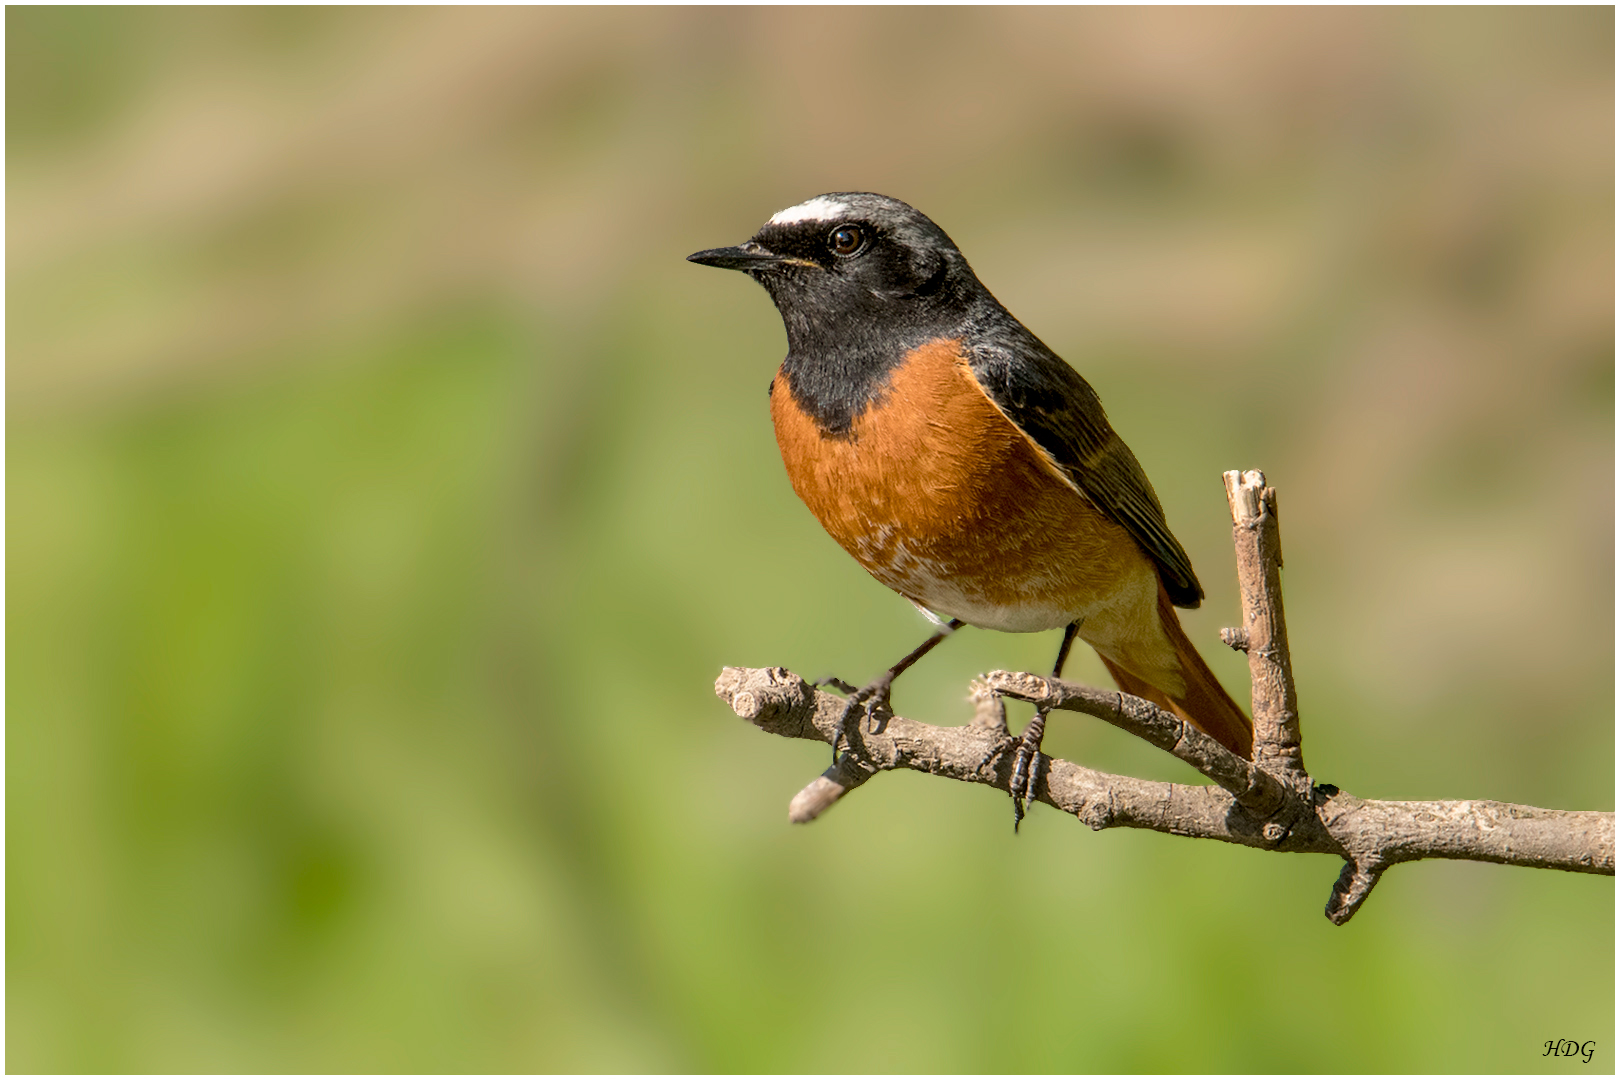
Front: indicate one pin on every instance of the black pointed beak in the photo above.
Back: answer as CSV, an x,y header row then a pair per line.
x,y
749,256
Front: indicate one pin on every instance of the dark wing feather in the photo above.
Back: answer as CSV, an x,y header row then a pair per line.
x,y
1060,411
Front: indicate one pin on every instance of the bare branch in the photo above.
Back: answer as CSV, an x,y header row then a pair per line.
x,y
1265,634
1269,802
1366,833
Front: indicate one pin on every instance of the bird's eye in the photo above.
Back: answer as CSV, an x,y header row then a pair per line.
x,y
846,240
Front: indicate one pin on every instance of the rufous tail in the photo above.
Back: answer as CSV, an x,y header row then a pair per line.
x,y
1205,705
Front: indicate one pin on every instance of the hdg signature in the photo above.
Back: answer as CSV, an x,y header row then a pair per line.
x,y
1569,1048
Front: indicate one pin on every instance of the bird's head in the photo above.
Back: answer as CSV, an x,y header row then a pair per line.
x,y
850,255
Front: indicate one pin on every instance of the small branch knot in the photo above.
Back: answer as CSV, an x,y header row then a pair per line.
x,y
1097,815
1235,637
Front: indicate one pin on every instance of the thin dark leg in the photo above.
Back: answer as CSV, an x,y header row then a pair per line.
x,y
877,691
1027,762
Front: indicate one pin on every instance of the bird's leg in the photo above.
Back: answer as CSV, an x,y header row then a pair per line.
x,y
1027,761
876,692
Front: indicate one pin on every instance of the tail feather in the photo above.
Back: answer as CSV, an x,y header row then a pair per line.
x,y
1205,705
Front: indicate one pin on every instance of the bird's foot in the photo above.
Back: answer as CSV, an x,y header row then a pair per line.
x,y
875,694
869,698
1027,767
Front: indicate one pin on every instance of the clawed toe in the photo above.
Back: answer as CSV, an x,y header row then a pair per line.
x,y
872,696
1027,767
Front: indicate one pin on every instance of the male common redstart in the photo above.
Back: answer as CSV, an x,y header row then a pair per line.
x,y
963,463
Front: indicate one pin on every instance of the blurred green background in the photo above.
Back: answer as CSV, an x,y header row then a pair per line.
x,y
385,494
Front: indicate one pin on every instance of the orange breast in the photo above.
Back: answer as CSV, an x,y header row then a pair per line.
x,y
943,499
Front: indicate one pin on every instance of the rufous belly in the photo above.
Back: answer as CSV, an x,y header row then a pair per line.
x,y
946,501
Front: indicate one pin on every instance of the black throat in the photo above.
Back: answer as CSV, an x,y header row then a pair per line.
x,y
843,350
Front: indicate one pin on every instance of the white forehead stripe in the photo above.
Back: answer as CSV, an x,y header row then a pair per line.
x,y
819,208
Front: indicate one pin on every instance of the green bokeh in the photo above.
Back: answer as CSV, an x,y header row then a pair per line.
x,y
385,493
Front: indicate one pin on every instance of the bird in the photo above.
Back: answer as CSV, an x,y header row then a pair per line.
x,y
964,464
